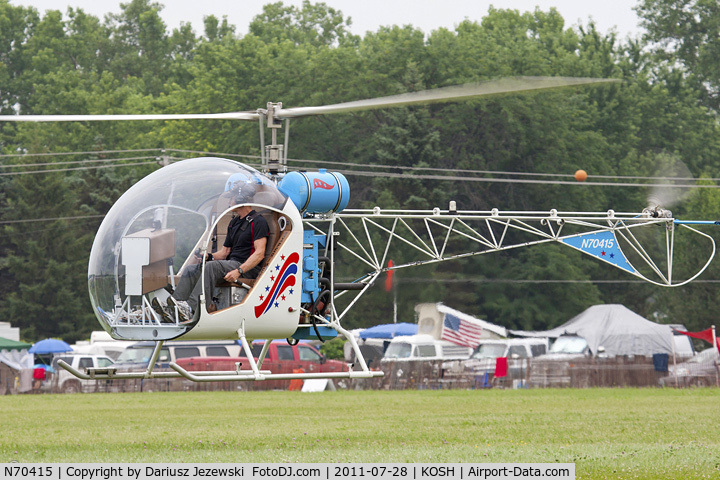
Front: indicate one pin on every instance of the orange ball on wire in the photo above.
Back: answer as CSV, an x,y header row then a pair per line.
x,y
581,175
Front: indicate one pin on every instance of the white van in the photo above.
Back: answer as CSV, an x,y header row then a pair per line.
x,y
424,347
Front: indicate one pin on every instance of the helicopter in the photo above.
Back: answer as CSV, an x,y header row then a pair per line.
x,y
170,220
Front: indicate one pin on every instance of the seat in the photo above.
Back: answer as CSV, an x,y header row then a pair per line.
x,y
270,253
276,239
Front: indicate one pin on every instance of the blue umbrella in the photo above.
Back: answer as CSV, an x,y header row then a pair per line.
x,y
50,345
390,330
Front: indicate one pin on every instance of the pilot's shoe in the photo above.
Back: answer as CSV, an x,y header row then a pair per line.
x,y
183,309
165,317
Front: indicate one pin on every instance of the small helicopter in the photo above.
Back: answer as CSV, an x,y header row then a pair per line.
x,y
170,220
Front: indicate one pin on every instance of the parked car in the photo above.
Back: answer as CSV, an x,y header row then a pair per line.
x,y
484,359
511,348
424,347
65,382
570,345
700,371
555,368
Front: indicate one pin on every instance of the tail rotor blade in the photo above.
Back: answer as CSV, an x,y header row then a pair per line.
x,y
671,172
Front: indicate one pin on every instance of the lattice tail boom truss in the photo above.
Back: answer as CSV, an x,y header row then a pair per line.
x,y
366,237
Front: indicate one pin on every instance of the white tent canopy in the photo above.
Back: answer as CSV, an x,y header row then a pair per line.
x,y
619,330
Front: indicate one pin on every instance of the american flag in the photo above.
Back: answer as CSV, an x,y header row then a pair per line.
x,y
461,331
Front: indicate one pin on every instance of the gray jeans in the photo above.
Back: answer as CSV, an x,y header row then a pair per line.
x,y
189,287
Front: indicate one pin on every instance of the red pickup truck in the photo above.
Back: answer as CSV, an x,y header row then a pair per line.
x,y
281,358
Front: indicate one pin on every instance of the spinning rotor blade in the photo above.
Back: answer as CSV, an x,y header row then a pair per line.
x,y
103,118
446,94
438,95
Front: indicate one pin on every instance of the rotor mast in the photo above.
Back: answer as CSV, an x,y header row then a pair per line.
x,y
274,155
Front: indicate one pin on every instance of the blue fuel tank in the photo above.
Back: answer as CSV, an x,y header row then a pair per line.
x,y
319,192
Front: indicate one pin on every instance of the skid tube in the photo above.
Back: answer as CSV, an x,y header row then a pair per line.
x,y
216,376
254,374
113,374
270,376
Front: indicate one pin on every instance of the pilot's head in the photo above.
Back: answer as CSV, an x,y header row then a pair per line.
x,y
244,193
234,181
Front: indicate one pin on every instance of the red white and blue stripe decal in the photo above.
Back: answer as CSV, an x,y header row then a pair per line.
x,y
282,280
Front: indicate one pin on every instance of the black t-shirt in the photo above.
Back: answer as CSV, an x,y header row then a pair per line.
x,y
241,236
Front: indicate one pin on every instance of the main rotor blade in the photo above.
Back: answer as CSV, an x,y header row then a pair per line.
x,y
105,118
447,94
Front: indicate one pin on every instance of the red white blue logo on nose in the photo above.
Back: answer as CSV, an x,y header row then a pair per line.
x,y
283,278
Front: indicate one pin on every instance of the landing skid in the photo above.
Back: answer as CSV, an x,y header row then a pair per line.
x,y
238,375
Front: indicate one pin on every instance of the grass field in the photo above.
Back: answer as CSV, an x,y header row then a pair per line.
x,y
618,433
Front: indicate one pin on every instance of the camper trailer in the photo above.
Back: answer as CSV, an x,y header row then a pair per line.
x,y
101,343
431,321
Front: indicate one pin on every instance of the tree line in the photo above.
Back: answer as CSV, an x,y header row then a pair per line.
x,y
52,198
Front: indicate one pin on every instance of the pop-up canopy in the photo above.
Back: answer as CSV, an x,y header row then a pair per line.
x,y
389,330
7,344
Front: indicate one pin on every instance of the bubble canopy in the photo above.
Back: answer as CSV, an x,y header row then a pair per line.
x,y
175,208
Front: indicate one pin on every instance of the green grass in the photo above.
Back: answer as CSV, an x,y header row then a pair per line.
x,y
619,433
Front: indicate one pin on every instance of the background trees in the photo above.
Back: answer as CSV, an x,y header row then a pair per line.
x,y
71,62
688,33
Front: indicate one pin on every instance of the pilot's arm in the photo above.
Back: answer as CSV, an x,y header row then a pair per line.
x,y
221,254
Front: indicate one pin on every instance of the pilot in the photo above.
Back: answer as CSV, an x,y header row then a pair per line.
x,y
241,255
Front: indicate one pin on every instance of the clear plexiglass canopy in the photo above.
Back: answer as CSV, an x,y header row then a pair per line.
x,y
155,227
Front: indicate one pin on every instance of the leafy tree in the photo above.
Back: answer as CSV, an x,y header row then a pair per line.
x,y
139,45
313,24
73,62
214,30
333,348
45,261
17,25
687,31
541,303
